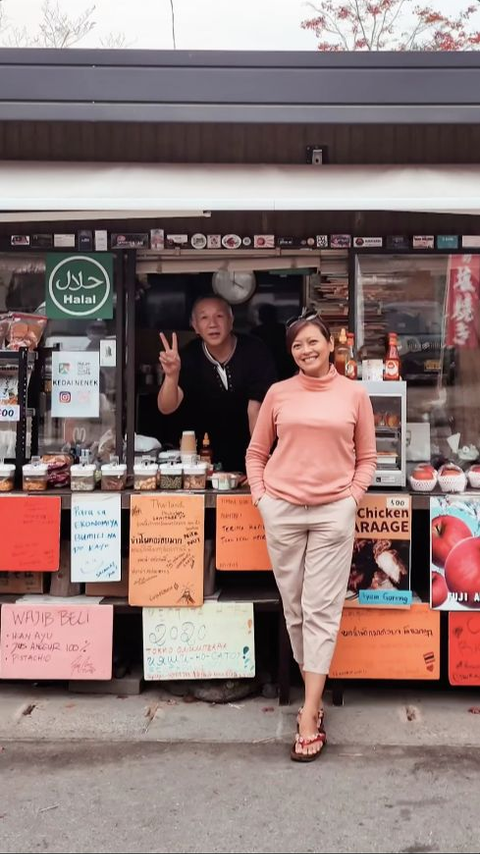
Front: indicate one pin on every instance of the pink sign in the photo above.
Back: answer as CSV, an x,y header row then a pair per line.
x,y
56,641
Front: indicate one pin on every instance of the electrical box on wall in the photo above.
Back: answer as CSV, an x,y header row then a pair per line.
x,y
317,155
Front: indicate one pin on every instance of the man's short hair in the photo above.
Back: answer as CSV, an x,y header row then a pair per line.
x,y
210,297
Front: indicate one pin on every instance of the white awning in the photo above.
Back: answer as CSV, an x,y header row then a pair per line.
x,y
112,190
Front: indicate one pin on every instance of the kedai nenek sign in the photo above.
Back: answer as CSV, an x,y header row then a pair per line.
x,y
79,286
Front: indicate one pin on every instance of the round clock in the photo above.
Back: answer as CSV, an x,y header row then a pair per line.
x,y
234,286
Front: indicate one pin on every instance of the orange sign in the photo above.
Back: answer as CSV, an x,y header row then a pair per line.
x,y
240,535
464,648
29,533
380,644
166,550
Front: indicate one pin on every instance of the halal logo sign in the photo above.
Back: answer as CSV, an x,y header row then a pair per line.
x,y
80,286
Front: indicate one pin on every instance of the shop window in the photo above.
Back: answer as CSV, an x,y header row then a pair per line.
x,y
22,289
409,295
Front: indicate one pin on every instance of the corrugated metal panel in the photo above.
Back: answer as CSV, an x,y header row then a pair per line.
x,y
237,143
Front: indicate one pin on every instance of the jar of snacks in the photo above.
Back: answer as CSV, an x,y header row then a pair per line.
x,y
145,475
170,476
195,477
113,477
7,477
82,477
35,477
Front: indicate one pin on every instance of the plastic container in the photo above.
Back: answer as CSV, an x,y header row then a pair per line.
x,y
188,442
113,477
7,477
145,476
35,477
170,476
195,477
82,477
221,480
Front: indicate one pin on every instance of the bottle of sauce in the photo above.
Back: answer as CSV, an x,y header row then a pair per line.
x,y
206,451
392,358
341,352
351,364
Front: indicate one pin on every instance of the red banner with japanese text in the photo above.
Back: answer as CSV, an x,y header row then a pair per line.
x,y
463,287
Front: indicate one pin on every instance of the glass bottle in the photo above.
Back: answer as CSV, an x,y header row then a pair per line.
x,y
392,358
341,352
351,364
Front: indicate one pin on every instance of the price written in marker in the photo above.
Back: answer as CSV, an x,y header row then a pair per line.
x,y
10,413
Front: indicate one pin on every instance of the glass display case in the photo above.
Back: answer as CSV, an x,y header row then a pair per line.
x,y
389,402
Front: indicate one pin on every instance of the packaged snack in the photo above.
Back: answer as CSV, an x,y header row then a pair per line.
x,y
7,477
25,330
59,466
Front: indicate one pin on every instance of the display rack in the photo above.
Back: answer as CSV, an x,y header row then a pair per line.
x,y
21,363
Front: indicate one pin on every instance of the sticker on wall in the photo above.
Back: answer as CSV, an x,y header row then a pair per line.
x,y
157,238
20,240
174,240
397,241
64,241
340,241
368,242
322,241
108,353
470,241
263,241
41,241
79,286
447,241
138,240
214,241
85,240
231,241
423,241
75,384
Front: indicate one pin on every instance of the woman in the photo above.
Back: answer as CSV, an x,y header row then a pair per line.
x,y
308,491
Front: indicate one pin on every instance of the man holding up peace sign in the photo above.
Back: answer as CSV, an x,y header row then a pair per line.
x,y
217,382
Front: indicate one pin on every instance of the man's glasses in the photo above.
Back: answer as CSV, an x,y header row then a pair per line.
x,y
307,314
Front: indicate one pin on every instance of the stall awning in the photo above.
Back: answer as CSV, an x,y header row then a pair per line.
x,y
66,190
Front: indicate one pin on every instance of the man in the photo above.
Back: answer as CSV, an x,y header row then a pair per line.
x,y
218,381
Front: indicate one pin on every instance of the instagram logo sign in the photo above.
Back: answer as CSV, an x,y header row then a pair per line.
x,y
65,397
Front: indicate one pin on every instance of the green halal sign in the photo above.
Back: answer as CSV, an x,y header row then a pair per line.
x,y
79,286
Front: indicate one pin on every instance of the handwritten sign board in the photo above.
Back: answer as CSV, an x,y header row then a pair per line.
x,y
464,648
29,533
166,550
96,538
215,641
56,641
381,644
240,535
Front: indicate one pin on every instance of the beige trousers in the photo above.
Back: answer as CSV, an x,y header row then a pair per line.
x,y
311,553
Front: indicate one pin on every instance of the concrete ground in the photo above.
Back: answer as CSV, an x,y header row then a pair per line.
x,y
153,773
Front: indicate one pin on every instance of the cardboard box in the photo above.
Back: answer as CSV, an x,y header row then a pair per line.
x,y
22,582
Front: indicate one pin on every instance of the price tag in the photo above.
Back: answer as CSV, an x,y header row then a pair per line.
x,y
398,502
10,413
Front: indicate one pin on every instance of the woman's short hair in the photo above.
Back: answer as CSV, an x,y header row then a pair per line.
x,y
297,325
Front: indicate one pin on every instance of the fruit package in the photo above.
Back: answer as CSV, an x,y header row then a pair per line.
x,y
18,329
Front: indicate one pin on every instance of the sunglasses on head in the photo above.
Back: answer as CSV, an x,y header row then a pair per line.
x,y
307,314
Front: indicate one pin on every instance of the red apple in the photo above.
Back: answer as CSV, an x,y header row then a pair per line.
x,y
439,590
424,473
447,531
462,570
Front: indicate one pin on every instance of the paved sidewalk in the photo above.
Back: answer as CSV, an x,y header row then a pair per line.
x,y
370,717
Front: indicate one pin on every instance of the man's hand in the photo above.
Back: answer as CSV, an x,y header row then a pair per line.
x,y
169,357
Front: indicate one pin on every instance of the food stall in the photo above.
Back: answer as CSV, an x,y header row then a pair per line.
x,y
150,559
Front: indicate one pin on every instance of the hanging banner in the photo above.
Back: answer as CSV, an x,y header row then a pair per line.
x,y
463,287
455,553
96,538
56,641
166,550
75,384
464,649
381,551
240,535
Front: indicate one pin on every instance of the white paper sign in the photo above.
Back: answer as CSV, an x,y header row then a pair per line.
x,y
215,641
108,353
75,384
10,413
96,538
